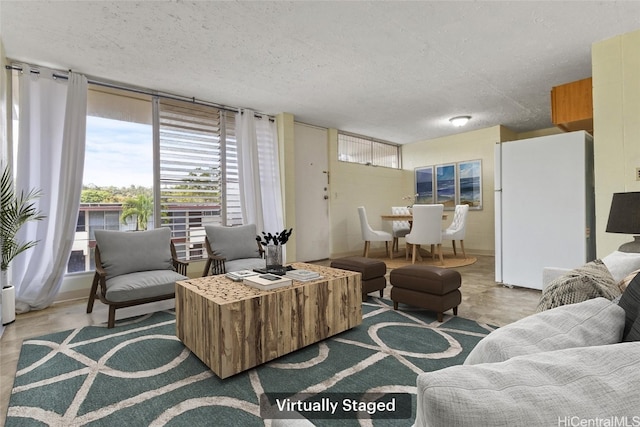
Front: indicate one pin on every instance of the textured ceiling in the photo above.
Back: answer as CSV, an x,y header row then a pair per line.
x,y
392,70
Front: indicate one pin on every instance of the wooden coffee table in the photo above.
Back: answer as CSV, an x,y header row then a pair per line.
x,y
232,327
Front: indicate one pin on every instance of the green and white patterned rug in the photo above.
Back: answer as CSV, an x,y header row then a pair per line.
x,y
140,374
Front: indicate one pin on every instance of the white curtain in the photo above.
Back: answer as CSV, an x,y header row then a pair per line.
x,y
52,125
259,165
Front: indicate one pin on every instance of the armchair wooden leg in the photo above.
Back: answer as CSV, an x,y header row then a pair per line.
x,y
455,253
413,255
111,322
92,294
207,268
462,246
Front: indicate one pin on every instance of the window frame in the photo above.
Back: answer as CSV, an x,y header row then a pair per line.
x,y
372,145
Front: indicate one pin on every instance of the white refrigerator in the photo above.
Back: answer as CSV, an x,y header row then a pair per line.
x,y
544,206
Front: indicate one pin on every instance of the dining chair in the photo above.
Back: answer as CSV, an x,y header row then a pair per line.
x,y
370,235
399,228
457,229
426,230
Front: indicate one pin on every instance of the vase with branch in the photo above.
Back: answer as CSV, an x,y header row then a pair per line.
x,y
273,244
16,210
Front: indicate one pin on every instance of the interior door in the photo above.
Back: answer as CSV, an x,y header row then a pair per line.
x,y
312,193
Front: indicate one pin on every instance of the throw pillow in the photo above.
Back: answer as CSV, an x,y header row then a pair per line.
x,y
593,322
620,264
634,332
630,302
233,242
625,282
589,281
124,252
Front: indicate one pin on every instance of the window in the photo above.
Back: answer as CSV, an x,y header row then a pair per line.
x,y
118,170
368,151
198,172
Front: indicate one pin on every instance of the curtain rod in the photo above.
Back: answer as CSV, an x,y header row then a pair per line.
x,y
193,100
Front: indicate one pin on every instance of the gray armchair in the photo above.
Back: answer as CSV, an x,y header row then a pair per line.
x,y
232,249
134,268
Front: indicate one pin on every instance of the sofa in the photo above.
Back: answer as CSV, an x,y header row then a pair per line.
x,y
575,364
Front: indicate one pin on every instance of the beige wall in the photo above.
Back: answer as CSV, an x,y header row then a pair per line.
x,y
286,143
353,185
473,145
616,109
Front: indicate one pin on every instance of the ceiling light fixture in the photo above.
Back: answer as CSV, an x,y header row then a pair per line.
x,y
459,120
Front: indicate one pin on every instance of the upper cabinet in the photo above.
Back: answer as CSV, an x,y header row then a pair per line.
x,y
572,106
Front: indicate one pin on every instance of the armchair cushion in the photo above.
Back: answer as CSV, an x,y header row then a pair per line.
x,y
593,322
245,264
142,285
233,242
123,253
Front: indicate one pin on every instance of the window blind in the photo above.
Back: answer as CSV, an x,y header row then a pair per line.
x,y
198,169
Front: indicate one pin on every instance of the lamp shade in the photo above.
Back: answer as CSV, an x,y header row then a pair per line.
x,y
624,216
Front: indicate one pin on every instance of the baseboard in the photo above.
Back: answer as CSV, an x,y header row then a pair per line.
x,y
381,253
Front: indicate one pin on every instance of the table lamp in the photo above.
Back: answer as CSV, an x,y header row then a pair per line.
x,y
624,217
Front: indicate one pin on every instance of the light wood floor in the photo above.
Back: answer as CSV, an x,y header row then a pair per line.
x,y
482,300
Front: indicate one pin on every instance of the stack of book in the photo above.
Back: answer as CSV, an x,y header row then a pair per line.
x,y
303,275
239,276
267,282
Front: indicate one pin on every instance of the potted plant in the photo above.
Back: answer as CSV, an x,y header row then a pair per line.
x,y
16,210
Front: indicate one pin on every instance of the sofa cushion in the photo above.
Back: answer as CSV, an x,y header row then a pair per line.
x,y
594,322
542,389
620,264
630,302
143,284
233,242
127,252
589,281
